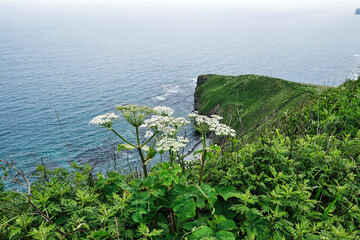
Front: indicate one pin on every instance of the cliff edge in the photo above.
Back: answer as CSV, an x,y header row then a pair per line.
x,y
251,103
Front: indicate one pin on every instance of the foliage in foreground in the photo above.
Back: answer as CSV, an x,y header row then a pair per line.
x,y
299,182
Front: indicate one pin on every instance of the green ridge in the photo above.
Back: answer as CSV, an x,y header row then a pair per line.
x,y
262,101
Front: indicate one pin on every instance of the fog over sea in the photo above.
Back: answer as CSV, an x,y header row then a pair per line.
x,y
80,62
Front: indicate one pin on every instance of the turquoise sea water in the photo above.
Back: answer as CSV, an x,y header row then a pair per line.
x,y
80,62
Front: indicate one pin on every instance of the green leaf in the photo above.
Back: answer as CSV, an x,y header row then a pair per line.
x,y
222,207
203,233
209,155
110,189
184,207
318,193
137,216
150,153
224,235
330,207
120,147
216,148
114,175
208,192
226,191
100,234
156,232
226,225
197,152
146,148
198,222
60,220
149,181
257,226
168,175
127,146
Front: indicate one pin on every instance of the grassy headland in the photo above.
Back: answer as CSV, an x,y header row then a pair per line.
x,y
251,103
300,182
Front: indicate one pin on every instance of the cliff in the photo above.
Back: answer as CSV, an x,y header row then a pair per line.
x,y
251,103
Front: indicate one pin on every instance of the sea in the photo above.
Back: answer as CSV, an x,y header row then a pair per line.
x,y
60,66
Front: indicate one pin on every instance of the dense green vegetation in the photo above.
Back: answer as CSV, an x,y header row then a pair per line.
x,y
300,181
251,103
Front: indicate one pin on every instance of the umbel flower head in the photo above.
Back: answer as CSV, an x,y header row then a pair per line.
x,y
167,127
171,144
105,120
163,123
206,124
164,111
135,114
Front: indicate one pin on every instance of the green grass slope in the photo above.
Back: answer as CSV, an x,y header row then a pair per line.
x,y
251,103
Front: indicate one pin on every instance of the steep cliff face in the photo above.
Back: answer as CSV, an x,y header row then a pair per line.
x,y
250,103
200,81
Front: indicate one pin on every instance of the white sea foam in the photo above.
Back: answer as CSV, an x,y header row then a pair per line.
x,y
172,88
160,98
356,55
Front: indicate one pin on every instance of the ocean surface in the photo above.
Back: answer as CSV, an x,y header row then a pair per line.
x,y
79,62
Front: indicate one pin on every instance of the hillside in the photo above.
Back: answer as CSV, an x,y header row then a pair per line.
x,y
251,103
297,182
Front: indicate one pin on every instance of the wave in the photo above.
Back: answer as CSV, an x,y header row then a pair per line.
x,y
160,98
172,88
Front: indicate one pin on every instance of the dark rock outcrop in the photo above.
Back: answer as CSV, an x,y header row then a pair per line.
x,y
200,80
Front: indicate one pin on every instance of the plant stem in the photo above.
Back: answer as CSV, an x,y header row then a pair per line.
x,y
143,163
122,138
150,140
171,157
203,157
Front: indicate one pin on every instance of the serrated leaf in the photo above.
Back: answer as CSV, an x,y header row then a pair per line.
x,y
203,233
156,232
226,225
60,220
184,207
208,192
137,216
226,191
114,175
257,226
198,222
224,235
149,181
110,189
222,207
100,234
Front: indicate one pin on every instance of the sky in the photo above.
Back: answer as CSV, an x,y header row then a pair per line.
x,y
280,4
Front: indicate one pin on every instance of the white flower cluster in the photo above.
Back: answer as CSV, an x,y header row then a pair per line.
x,y
167,127
135,108
105,120
211,124
164,123
164,111
171,144
134,114
149,134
